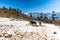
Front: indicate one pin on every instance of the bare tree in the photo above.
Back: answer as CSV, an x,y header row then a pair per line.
x,y
31,15
53,15
45,18
41,17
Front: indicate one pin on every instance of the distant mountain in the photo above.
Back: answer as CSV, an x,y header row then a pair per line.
x,y
57,14
48,14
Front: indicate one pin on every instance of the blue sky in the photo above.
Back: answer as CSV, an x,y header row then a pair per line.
x,y
28,6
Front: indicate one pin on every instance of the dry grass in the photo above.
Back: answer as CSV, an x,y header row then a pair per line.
x,y
13,14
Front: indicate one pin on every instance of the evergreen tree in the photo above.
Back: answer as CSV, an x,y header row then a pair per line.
x,y
10,8
20,11
4,8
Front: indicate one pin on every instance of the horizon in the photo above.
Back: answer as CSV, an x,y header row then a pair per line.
x,y
28,6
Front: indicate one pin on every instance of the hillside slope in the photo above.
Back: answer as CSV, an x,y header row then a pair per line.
x,y
13,14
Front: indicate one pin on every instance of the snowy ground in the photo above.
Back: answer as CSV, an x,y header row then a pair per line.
x,y
21,31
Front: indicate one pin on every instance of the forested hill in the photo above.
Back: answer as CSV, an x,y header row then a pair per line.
x,y
13,13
